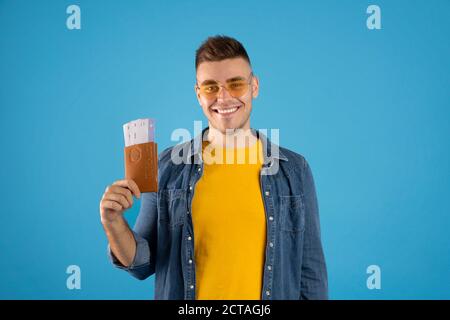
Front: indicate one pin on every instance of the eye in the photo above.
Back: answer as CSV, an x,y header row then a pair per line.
x,y
211,88
236,85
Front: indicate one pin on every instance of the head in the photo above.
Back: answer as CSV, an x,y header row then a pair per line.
x,y
222,67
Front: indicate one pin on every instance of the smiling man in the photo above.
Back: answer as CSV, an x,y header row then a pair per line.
x,y
237,217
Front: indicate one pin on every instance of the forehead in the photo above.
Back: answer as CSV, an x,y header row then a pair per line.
x,y
223,70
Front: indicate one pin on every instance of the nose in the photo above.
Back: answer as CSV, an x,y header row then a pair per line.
x,y
223,94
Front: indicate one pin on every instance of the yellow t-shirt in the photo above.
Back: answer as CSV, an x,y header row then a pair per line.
x,y
229,224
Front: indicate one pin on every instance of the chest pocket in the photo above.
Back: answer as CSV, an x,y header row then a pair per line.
x,y
292,213
172,207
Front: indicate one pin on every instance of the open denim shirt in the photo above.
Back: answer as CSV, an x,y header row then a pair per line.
x,y
294,265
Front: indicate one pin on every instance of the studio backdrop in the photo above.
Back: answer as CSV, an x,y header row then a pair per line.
x,y
360,88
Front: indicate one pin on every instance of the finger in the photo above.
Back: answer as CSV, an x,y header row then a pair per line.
x,y
130,184
124,191
108,204
134,188
118,198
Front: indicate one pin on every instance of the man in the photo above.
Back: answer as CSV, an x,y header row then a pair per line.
x,y
218,227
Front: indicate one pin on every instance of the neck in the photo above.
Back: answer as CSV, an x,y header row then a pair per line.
x,y
232,138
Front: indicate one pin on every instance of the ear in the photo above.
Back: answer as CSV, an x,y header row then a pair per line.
x,y
255,86
197,94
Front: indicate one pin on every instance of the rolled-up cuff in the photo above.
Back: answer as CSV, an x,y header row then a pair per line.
x,y
141,258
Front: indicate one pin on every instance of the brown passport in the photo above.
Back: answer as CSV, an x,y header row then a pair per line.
x,y
141,165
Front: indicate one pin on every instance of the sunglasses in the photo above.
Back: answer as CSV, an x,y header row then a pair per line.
x,y
236,87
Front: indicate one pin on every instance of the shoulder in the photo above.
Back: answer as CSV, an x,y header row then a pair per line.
x,y
176,154
164,156
299,169
175,158
295,161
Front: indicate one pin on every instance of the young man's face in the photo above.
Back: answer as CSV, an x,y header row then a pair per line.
x,y
225,111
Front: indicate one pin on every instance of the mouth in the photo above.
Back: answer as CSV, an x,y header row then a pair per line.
x,y
228,111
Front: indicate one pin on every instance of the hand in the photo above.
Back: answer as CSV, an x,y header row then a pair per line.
x,y
117,198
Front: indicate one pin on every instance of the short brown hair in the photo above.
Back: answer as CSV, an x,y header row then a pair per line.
x,y
219,48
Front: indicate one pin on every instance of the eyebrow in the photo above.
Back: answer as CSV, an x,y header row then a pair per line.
x,y
206,82
235,79
210,81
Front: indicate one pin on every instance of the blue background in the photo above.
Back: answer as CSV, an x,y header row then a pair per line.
x,y
369,109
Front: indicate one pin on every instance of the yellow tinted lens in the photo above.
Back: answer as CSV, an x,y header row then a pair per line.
x,y
237,88
209,90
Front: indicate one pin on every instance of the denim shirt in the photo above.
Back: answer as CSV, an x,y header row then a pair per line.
x,y
294,266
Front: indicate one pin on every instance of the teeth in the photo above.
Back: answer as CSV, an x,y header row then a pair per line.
x,y
224,111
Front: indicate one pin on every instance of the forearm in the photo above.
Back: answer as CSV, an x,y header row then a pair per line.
x,y
121,241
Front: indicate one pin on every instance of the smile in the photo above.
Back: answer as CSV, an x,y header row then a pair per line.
x,y
227,111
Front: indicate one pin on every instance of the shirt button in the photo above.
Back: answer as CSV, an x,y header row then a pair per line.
x,y
190,261
267,193
271,244
269,267
271,218
199,169
268,292
189,238
192,287
190,188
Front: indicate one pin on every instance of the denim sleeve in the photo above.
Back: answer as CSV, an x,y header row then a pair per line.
x,y
314,281
144,233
